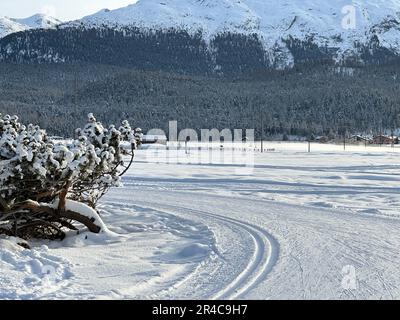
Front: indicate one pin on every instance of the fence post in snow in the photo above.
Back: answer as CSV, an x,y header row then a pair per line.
x,y
186,145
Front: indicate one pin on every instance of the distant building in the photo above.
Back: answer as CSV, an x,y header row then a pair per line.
x,y
57,138
384,139
322,139
360,139
154,139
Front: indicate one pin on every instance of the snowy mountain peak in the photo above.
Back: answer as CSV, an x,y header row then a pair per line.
x,y
8,26
337,24
206,15
253,14
39,21
282,33
11,25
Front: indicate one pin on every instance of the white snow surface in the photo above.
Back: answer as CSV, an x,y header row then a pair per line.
x,y
8,26
37,21
84,210
272,20
180,228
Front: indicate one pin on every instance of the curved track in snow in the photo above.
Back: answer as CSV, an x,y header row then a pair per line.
x,y
270,250
201,233
263,256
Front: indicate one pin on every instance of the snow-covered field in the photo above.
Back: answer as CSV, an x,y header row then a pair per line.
x,y
295,225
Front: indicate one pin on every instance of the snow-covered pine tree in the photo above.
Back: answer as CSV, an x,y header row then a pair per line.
x,y
46,186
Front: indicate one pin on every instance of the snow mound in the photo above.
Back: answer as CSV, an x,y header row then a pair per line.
x,y
30,274
194,250
10,244
84,210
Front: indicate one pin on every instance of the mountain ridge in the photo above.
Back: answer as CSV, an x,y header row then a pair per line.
x,y
39,20
227,35
8,26
13,25
272,21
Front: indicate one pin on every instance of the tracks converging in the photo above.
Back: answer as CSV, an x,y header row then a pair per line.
x,y
264,258
261,263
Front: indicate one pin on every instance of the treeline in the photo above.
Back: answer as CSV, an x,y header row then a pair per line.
x,y
168,50
322,100
177,51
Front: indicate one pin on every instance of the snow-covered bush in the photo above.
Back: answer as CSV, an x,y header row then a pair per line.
x,y
39,175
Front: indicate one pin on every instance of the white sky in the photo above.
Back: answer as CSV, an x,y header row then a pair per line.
x,y
61,9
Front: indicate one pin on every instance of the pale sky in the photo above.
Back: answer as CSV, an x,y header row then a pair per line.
x,y
61,9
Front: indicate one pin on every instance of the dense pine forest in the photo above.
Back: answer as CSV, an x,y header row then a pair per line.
x,y
306,100
55,77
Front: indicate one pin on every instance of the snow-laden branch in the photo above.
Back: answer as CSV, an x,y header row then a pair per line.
x,y
36,173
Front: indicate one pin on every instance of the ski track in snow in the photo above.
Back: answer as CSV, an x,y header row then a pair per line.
x,y
316,246
265,255
199,232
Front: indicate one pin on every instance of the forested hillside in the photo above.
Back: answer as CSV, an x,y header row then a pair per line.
x,y
303,101
178,51
167,50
